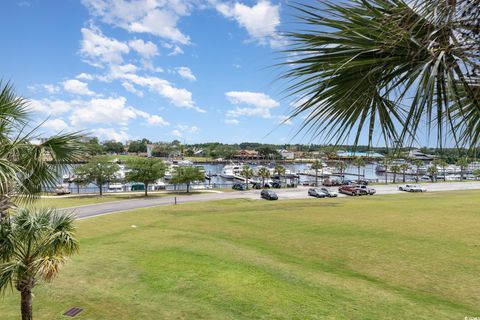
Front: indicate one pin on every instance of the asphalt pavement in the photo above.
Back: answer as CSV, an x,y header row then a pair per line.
x,y
92,210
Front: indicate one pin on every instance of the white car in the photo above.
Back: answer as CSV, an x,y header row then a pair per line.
x,y
412,188
61,189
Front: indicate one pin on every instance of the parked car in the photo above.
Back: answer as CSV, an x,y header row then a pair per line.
x,y
61,189
332,182
362,182
412,188
347,182
314,192
276,184
268,195
365,190
349,190
329,193
239,186
256,185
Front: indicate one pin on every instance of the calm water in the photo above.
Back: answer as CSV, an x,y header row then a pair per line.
x,y
216,180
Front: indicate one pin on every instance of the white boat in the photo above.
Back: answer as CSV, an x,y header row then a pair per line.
x,y
184,163
230,171
116,187
158,185
326,170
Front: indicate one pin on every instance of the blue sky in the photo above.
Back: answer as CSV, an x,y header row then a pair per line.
x,y
193,70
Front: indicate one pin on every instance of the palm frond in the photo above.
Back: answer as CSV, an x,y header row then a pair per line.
x,y
384,67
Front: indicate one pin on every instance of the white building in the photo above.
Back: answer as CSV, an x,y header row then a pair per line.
x,y
286,154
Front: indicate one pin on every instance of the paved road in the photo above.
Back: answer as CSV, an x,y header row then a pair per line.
x,y
283,194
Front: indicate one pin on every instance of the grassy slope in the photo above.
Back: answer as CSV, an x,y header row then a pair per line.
x,y
405,256
66,202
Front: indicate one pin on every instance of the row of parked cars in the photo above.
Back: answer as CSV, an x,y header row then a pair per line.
x,y
348,189
256,185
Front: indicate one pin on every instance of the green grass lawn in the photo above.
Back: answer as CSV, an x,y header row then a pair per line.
x,y
403,256
67,202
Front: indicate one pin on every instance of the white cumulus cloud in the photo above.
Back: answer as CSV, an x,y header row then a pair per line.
x,y
77,87
156,17
145,49
98,49
111,134
55,125
186,73
250,104
49,107
260,21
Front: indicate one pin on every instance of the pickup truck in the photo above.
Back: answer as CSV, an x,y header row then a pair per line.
x,y
412,188
349,190
365,190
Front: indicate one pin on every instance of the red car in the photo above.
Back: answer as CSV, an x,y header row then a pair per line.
x,y
350,190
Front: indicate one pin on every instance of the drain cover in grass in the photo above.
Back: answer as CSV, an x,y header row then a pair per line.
x,y
73,312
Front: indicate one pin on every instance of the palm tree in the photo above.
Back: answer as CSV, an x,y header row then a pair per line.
x,y
442,164
280,170
432,170
359,162
463,164
247,173
417,163
404,168
33,246
395,169
264,173
317,165
387,161
341,166
27,168
361,67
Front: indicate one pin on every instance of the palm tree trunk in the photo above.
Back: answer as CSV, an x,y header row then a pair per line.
x,y
394,177
188,187
101,189
5,205
26,304
146,189
316,177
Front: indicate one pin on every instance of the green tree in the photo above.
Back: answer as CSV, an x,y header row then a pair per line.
x,y
384,67
280,170
463,164
395,169
359,162
264,173
99,171
146,170
432,171
268,152
442,164
417,163
247,173
387,161
476,173
341,167
113,147
317,165
26,167
404,168
93,148
33,246
187,175
138,146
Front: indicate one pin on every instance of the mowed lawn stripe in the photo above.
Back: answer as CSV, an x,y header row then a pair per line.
x,y
394,256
